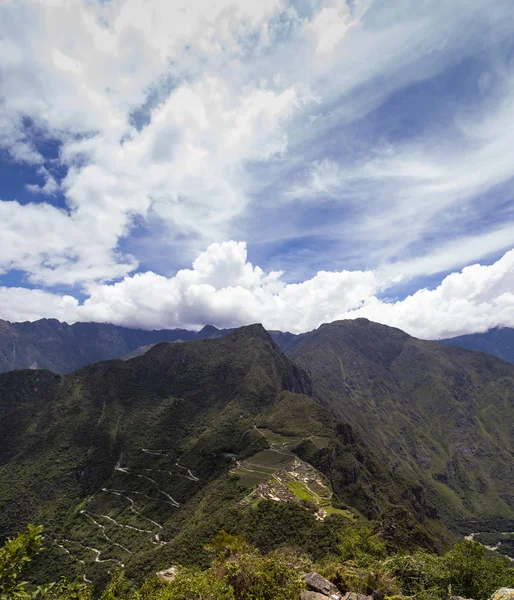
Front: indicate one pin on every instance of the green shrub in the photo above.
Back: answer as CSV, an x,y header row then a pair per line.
x,y
467,570
188,586
421,574
476,573
16,556
361,545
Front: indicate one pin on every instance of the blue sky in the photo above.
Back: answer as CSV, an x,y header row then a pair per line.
x,y
177,164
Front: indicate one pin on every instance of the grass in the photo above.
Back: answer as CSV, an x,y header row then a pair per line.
x,y
301,491
277,439
261,466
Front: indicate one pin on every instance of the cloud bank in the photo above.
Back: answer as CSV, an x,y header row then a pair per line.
x,y
352,144
224,289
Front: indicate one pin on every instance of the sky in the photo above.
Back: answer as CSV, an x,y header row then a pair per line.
x,y
175,164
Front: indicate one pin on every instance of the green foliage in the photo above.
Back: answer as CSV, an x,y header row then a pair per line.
x,y
357,566
421,574
361,545
16,556
188,586
371,582
238,572
476,573
467,570
118,589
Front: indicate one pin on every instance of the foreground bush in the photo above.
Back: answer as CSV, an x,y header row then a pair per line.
x,y
467,570
16,556
240,572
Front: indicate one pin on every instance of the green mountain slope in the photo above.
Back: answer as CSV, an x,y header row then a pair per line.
x,y
444,417
141,462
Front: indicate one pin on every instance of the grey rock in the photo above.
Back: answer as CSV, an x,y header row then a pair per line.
x,y
503,594
316,583
168,574
307,595
355,596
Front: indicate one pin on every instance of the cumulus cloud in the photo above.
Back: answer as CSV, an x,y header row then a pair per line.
x,y
52,246
49,188
78,72
331,135
223,288
20,304
472,301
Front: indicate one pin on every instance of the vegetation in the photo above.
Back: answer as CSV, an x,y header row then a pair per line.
x,y
441,415
136,465
238,571
467,570
15,558
113,455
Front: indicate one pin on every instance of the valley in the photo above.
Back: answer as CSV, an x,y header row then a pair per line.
x,y
137,464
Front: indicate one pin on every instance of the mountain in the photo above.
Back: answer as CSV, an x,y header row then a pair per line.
x,y
283,339
62,348
442,416
498,342
141,462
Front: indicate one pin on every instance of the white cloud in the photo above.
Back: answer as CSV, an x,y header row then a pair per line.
x,y
474,300
331,24
22,304
196,122
49,188
226,290
78,71
52,246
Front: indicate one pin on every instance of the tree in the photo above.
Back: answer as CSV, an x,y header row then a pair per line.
x,y
16,556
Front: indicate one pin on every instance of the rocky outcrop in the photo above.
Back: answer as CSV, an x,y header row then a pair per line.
x,y
319,588
503,594
308,595
314,582
167,575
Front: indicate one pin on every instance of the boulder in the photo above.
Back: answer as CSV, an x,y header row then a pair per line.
x,y
355,596
503,594
168,574
316,583
307,595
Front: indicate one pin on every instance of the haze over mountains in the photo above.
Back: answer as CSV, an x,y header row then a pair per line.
x,y
141,461
62,348
498,342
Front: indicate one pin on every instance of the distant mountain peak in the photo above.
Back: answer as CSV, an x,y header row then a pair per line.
x,y
254,330
498,341
209,329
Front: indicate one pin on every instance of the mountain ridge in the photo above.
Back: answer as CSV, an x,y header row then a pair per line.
x,y
167,443
498,342
441,414
63,348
